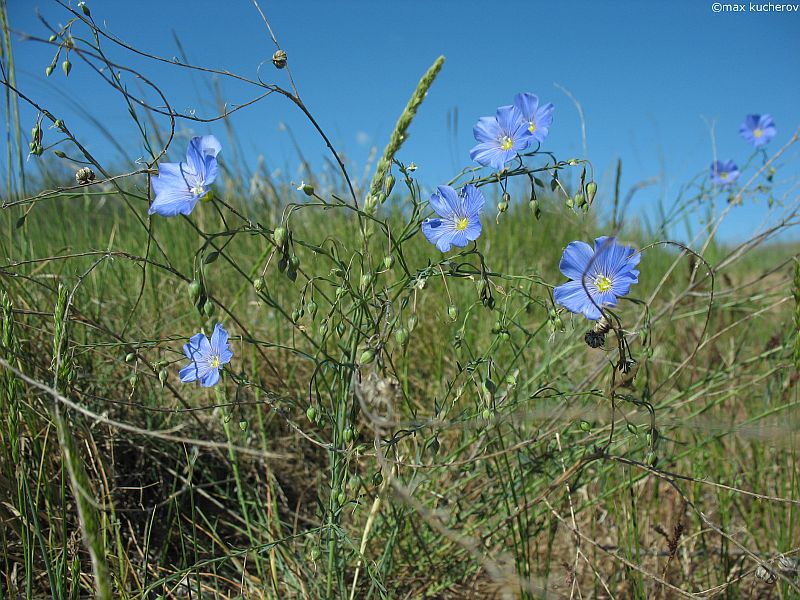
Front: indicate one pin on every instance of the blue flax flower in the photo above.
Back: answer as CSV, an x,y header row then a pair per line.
x,y
724,173
537,117
758,129
459,217
500,137
179,186
607,272
206,357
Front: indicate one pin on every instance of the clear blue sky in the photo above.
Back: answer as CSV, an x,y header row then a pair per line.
x,y
651,76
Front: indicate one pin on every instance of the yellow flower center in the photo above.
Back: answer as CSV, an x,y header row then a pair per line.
x,y
506,143
602,283
214,362
757,133
462,223
531,126
723,175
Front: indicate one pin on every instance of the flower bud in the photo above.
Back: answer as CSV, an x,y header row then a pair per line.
x,y
85,9
130,357
279,59
59,154
452,312
585,426
307,189
195,288
259,283
162,376
296,314
66,66
412,322
49,70
349,435
591,190
52,38
280,235
388,261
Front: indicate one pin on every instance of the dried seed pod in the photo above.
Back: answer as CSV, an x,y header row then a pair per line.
x,y
279,59
84,176
766,575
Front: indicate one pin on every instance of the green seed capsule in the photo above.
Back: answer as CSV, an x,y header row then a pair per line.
x,y
243,425
377,479
367,357
570,203
366,279
162,376
130,357
585,426
258,283
591,190
486,414
195,288
294,260
311,413
401,336
323,328
280,235
354,482
412,322
579,200
341,498
452,312
311,307
388,261
296,314
502,206
208,308
308,189
389,184
52,38
85,9
66,66
349,435
49,70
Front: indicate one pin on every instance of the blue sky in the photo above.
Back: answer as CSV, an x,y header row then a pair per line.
x,y
652,77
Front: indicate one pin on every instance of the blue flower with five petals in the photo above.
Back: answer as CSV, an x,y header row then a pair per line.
x,y
758,129
459,217
598,276
500,138
206,357
179,186
538,117
724,173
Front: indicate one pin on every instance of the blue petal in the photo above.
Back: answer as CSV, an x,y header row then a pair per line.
x,y
195,370
574,298
510,119
527,104
197,348
486,129
196,158
473,200
575,260
171,202
488,154
544,116
210,145
211,170
473,230
210,378
219,340
451,201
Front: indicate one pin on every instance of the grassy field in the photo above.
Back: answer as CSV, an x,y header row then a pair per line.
x,y
396,422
